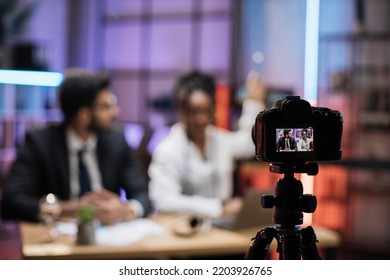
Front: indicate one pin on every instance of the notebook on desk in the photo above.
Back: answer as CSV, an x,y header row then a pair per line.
x,y
250,215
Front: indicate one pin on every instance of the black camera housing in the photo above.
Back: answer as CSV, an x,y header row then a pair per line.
x,y
325,126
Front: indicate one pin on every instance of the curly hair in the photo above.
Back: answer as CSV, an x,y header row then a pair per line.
x,y
190,82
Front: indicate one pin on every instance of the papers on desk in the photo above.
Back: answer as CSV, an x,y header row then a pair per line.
x,y
120,234
128,232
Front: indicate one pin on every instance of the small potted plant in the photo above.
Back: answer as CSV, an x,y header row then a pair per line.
x,y
86,227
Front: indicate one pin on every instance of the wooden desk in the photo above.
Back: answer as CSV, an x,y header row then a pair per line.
x,y
216,242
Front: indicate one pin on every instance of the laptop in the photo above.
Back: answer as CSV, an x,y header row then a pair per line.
x,y
250,215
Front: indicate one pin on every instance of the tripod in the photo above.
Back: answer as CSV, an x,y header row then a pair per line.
x,y
289,203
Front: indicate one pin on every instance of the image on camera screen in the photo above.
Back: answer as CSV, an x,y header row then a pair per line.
x,y
294,139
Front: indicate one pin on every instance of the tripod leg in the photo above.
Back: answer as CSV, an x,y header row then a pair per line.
x,y
309,246
259,248
289,243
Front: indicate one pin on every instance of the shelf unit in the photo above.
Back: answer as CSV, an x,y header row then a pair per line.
x,y
354,78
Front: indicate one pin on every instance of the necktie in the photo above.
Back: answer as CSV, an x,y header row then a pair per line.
x,y
84,179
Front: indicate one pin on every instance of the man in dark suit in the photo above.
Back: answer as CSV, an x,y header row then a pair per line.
x,y
51,159
287,142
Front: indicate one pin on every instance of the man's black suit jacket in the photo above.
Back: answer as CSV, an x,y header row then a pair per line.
x,y
281,145
42,166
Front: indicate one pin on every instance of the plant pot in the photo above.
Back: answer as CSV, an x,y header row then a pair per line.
x,y
86,233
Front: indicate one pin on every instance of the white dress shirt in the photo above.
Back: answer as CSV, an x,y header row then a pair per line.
x,y
183,180
75,144
303,145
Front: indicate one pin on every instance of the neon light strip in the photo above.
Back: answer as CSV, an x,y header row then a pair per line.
x,y
30,78
311,75
311,50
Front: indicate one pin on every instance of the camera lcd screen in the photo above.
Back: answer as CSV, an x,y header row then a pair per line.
x,y
298,140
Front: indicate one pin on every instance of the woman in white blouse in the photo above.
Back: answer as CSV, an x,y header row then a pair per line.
x,y
191,171
303,144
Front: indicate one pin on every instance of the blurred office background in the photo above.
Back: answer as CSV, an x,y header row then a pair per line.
x,y
335,53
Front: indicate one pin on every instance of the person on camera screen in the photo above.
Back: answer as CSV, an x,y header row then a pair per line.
x,y
304,143
287,142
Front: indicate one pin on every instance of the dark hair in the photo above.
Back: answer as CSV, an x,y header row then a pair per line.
x,y
286,131
190,82
80,89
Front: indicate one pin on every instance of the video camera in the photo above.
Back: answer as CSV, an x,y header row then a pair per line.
x,y
277,129
275,135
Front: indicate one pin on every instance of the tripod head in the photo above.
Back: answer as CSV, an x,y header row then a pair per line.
x,y
289,202
310,168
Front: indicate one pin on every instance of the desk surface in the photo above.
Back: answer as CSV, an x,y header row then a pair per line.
x,y
216,242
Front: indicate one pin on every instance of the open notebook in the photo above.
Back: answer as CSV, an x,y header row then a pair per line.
x,y
250,215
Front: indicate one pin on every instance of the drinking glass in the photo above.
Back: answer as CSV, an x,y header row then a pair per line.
x,y
50,211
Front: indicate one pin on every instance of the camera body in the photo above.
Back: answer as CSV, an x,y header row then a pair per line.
x,y
279,132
